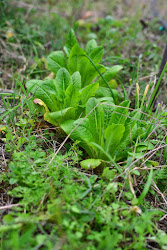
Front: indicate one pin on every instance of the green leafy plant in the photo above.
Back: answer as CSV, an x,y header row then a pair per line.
x,y
63,97
81,101
105,138
78,77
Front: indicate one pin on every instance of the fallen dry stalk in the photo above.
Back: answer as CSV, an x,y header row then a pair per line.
x,y
9,206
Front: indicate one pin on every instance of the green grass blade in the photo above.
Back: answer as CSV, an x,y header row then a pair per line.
x,y
146,187
102,78
156,88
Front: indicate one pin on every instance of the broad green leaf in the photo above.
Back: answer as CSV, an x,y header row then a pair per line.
x,y
108,107
108,173
44,90
113,84
132,125
78,61
107,100
34,85
76,80
143,146
72,97
96,54
92,44
96,119
105,92
70,42
113,136
91,73
90,163
81,133
136,155
150,164
107,104
88,91
119,115
83,130
109,74
56,61
153,163
67,126
62,81
59,116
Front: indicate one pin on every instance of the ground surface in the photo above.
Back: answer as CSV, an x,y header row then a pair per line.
x,y
59,202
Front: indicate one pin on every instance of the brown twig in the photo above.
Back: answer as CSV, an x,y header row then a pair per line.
x,y
9,206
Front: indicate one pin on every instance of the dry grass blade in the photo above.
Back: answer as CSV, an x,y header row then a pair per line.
x,y
9,206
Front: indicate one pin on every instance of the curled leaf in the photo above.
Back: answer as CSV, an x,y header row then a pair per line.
x,y
39,101
46,113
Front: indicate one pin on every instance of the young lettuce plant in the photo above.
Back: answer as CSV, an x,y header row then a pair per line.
x,y
87,63
104,138
78,75
62,97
